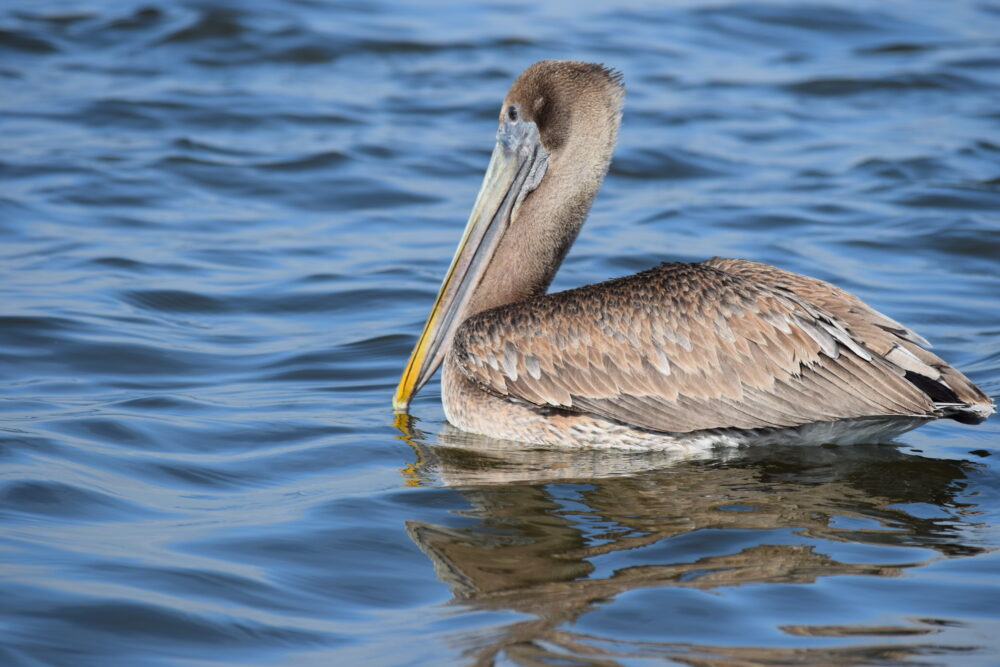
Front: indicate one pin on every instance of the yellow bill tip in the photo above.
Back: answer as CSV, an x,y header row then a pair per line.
x,y
400,404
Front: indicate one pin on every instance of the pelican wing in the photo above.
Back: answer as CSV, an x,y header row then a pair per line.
x,y
881,334
685,347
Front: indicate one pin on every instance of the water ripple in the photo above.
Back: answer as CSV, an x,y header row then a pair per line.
x,y
224,224
904,82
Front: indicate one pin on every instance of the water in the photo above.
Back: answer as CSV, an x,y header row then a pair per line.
x,y
223,225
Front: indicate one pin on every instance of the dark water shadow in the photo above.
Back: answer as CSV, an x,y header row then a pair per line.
x,y
561,534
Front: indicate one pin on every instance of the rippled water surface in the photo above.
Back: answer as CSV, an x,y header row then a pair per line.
x,y
223,224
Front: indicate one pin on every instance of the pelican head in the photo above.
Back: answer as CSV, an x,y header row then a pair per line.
x,y
557,130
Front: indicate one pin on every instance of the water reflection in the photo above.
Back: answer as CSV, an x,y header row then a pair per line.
x,y
560,535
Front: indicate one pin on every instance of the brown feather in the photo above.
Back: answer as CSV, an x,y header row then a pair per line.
x,y
682,348
784,361
879,333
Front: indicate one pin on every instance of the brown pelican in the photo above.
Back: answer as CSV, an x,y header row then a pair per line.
x,y
724,350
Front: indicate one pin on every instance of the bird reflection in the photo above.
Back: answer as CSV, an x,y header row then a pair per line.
x,y
549,521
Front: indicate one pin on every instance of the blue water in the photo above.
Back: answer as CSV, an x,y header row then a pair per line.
x,y
223,224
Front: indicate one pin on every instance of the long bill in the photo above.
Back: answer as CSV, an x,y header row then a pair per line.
x,y
518,163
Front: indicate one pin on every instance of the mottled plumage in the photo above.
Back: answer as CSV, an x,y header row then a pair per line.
x,y
725,350
687,347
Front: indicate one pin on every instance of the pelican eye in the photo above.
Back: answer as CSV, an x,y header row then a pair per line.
x,y
512,113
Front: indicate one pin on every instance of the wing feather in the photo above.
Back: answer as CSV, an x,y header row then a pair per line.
x,y
881,334
686,347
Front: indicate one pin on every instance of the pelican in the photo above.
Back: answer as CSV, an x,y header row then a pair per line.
x,y
719,351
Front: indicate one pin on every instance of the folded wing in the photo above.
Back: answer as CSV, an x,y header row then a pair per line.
x,y
685,347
